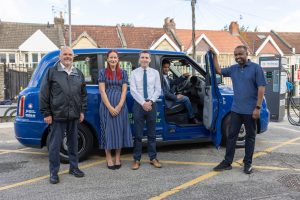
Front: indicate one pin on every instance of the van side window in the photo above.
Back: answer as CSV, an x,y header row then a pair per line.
x,y
89,66
127,62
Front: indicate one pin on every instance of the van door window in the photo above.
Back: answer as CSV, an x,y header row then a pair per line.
x,y
192,87
127,62
89,66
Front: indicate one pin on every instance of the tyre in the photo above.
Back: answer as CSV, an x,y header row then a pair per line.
x,y
225,132
85,144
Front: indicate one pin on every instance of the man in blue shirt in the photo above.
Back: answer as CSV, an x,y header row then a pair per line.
x,y
248,83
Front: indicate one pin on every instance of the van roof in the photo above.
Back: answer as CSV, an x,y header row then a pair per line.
x,y
122,50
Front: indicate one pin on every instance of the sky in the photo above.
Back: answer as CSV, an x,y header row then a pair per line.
x,y
266,15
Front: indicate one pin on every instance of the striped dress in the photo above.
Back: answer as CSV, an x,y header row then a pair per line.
x,y
115,131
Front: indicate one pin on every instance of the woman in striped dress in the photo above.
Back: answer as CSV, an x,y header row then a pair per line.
x,y
114,122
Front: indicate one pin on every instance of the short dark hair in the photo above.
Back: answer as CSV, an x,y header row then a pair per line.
x,y
242,47
165,62
145,51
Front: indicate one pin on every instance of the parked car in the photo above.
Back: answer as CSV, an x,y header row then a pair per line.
x,y
211,101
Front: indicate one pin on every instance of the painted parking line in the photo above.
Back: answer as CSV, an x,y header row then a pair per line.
x,y
23,152
275,142
285,128
185,185
4,152
213,173
213,164
25,148
47,176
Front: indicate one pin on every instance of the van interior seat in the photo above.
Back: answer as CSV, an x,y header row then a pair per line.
x,y
175,109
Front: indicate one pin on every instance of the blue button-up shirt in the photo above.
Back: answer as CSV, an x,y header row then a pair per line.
x,y
245,81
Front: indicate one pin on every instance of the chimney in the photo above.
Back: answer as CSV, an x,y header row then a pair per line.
x,y
234,29
169,25
59,21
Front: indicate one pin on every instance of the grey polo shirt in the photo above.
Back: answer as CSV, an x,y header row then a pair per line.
x,y
245,81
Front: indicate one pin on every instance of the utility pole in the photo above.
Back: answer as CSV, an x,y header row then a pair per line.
x,y
193,2
70,28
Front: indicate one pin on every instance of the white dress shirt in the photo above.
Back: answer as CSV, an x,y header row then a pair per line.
x,y
167,80
153,85
66,70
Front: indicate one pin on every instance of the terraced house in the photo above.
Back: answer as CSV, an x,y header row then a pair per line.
x,y
25,44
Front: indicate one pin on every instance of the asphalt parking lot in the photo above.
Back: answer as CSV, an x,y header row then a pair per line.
x,y
186,173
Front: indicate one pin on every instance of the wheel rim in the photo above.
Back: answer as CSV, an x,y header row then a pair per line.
x,y
81,144
241,136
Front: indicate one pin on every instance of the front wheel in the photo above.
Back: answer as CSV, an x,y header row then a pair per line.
x,y
241,140
85,144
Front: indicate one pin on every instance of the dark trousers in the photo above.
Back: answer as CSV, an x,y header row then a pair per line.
x,y
57,131
235,125
139,116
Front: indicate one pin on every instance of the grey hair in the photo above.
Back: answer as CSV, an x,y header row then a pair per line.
x,y
64,48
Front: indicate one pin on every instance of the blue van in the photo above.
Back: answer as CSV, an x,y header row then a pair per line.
x,y
211,101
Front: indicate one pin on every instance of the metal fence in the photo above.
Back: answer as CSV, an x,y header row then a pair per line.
x,y
16,78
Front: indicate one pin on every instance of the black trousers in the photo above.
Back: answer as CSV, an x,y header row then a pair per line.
x,y
57,131
235,125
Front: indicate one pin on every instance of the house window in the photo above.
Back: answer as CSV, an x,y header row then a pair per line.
x,y
12,58
2,58
26,58
35,57
200,58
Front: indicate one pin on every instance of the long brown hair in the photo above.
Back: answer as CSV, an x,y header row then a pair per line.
x,y
108,71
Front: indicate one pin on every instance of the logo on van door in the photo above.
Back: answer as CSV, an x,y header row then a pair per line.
x,y
131,120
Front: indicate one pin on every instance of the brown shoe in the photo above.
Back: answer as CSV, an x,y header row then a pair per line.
x,y
155,163
135,165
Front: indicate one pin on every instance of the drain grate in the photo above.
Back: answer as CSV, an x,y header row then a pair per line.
x,y
291,181
11,166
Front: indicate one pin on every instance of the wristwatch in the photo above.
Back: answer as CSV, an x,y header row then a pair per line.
x,y
257,107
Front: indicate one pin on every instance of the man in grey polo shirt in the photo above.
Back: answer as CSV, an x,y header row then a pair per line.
x,y
249,83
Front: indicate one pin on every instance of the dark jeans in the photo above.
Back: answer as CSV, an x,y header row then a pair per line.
x,y
57,131
235,125
139,116
188,105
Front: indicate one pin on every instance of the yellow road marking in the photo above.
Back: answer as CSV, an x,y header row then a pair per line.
x,y
289,129
178,162
26,152
268,150
26,148
47,176
212,173
273,142
275,168
185,185
234,164
4,152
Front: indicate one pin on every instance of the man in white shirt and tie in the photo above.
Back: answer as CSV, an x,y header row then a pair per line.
x,y
170,97
145,88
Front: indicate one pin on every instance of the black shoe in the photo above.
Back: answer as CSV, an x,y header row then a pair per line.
x,y
248,169
113,167
54,179
223,166
76,172
118,166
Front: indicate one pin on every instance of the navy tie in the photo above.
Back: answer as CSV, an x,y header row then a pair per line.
x,y
145,84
